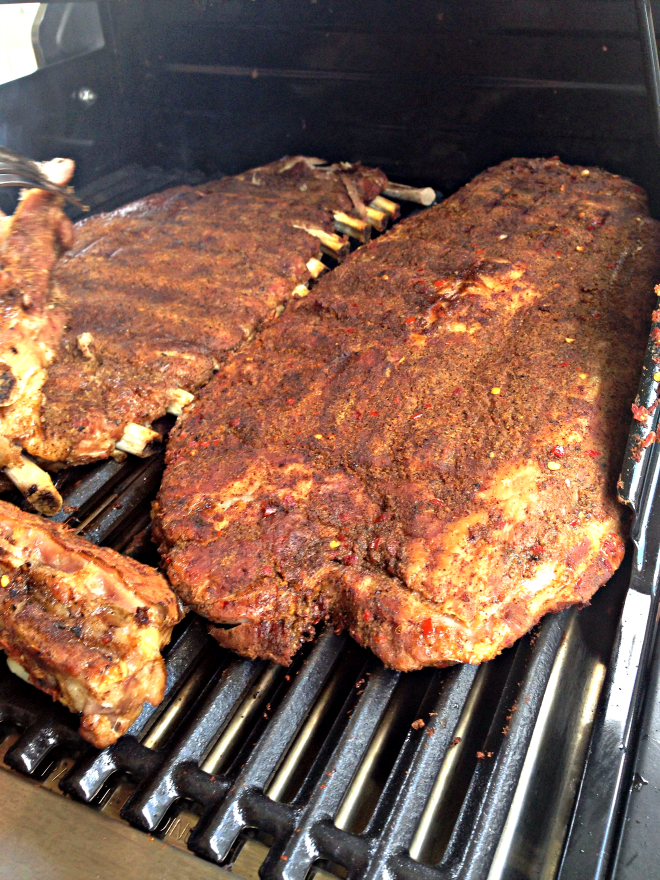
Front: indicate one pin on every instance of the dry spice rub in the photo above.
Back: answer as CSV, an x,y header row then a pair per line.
x,y
425,449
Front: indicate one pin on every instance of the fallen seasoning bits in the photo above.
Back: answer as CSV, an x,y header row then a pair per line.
x,y
554,466
417,725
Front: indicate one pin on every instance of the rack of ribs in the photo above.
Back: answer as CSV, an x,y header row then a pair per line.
x,y
157,292
83,622
425,449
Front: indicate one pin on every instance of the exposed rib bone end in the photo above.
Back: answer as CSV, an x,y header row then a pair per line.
x,y
139,440
180,398
352,226
377,219
316,268
300,291
85,342
331,244
17,669
380,203
420,195
36,486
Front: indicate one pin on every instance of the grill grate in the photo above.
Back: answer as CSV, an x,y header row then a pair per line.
x,y
324,769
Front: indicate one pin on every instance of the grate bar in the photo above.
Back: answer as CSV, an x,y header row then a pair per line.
x,y
215,834
98,481
87,777
293,858
153,797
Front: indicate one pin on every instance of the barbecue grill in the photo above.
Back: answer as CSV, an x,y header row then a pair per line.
x,y
540,764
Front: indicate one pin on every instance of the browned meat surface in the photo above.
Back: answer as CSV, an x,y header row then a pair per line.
x,y
86,623
425,449
159,290
31,323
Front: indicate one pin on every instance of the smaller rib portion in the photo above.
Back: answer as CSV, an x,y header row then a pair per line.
x,y
85,623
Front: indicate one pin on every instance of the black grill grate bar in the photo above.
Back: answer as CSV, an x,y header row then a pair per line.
x,y
139,486
37,741
87,777
431,745
216,832
154,796
302,848
493,786
92,486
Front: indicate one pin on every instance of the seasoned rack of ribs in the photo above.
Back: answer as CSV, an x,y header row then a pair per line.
x,y
31,325
83,622
425,449
155,294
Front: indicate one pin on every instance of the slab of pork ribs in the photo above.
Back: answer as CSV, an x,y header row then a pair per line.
x,y
157,292
425,450
85,623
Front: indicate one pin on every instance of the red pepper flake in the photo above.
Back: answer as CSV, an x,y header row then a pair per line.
x,y
351,559
234,422
204,444
595,315
558,452
440,282
563,363
437,502
373,412
342,538
427,626
574,522
216,443
427,406
558,253
375,544
289,499
578,583
650,438
480,250
269,511
416,416
640,413
537,550
349,329
183,435
358,414
410,320
655,316
382,517
290,401
593,453
655,334
368,616
457,390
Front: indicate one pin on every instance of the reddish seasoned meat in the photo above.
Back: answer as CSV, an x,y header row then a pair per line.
x,y
425,449
31,324
85,623
158,291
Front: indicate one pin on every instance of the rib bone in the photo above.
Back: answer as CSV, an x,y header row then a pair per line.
x,y
420,195
380,203
331,244
36,486
300,291
180,398
316,268
138,440
352,226
377,219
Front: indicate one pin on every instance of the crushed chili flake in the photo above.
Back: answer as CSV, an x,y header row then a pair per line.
x,y
216,442
457,390
437,502
234,422
563,363
375,544
655,334
427,626
367,615
183,435
650,438
595,314
351,559
416,416
427,406
204,443
410,320
593,453
373,412
640,413
559,452
382,517
537,550
290,401
558,253
574,522
358,414
349,329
